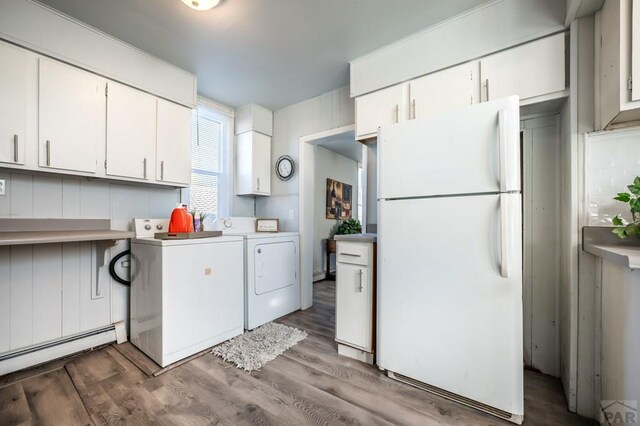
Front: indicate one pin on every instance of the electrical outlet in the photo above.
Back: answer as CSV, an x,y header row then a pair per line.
x,y
290,214
3,187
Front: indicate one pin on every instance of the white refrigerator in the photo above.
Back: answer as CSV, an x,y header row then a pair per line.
x,y
450,256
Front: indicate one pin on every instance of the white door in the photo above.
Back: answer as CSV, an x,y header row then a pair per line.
x,y
71,111
378,109
444,90
450,295
474,149
533,69
275,266
13,103
173,150
353,305
131,132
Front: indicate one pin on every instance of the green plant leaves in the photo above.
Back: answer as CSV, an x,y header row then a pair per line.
x,y
633,199
349,226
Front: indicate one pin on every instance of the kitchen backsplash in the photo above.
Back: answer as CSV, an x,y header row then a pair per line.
x,y
612,162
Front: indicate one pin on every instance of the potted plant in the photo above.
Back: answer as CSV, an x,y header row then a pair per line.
x,y
624,229
348,226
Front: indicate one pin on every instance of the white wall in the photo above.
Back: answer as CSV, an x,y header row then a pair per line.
x,y
49,196
328,111
337,167
372,187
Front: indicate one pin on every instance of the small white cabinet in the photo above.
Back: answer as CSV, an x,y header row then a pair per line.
x,y
131,132
13,103
531,70
173,148
451,88
253,164
71,115
355,299
386,106
618,64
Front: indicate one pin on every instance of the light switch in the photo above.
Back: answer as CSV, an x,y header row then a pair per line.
x,y
290,214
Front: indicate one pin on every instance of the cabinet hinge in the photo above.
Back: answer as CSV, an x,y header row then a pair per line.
x,y
106,89
630,84
105,164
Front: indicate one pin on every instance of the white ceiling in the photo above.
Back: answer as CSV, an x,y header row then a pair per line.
x,y
272,52
344,145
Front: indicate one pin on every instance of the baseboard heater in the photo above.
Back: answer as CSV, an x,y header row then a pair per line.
x,y
457,398
49,351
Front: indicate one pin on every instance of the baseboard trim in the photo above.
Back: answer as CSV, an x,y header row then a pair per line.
x,y
319,276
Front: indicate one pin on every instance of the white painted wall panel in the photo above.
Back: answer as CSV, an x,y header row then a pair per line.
x,y
21,296
47,197
47,292
70,288
51,33
5,299
495,26
21,195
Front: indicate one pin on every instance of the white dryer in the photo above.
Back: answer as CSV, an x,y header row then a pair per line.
x,y
272,277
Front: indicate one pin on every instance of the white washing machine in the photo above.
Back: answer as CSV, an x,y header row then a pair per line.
x,y
272,277
186,295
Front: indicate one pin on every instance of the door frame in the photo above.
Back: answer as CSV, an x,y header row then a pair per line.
x,y
306,189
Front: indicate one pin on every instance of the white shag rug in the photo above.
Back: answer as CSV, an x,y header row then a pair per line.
x,y
253,349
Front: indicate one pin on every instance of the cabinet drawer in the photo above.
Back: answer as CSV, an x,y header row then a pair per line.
x,y
356,253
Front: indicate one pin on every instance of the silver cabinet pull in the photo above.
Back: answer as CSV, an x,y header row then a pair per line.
x,y
15,148
48,153
486,85
360,287
258,180
413,109
144,164
162,170
350,254
397,110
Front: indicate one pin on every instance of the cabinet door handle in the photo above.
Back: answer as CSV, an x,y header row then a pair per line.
x,y
144,165
350,254
397,110
15,148
162,170
486,86
413,109
258,180
48,153
360,287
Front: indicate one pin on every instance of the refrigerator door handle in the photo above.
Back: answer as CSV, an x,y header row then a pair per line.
x,y
502,142
504,243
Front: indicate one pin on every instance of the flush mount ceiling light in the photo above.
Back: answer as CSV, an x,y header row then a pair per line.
x,y
201,4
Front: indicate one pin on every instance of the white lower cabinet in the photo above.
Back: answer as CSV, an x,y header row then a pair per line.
x,y
71,112
355,299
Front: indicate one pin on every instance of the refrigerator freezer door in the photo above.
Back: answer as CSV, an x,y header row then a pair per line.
x,y
447,316
475,149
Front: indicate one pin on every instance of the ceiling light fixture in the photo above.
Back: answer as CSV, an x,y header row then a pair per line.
x,y
201,4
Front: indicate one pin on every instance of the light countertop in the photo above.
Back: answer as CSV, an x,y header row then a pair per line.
x,y
359,238
601,242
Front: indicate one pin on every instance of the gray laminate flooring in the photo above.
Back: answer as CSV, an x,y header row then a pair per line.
x,y
308,384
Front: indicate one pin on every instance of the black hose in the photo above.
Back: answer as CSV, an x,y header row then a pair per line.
x,y
112,267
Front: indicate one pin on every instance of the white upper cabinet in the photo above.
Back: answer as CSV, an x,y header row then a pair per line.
x,y
71,112
131,133
253,164
618,64
253,117
531,70
13,103
173,149
447,89
386,106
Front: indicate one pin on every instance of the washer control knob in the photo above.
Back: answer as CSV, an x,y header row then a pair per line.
x,y
259,251
228,223
159,227
147,227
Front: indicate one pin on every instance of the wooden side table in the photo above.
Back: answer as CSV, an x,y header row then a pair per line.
x,y
330,248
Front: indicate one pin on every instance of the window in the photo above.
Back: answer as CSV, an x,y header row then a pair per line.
x,y
210,171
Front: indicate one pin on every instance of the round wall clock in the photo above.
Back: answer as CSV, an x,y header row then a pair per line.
x,y
285,166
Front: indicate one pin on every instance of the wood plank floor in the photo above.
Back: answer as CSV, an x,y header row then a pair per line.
x,y
309,384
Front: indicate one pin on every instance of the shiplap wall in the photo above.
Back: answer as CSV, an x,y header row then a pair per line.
x,y
328,111
46,290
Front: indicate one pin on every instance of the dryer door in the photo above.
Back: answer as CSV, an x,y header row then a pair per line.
x,y
275,266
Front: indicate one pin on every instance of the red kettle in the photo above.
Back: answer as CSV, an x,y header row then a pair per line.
x,y
181,220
